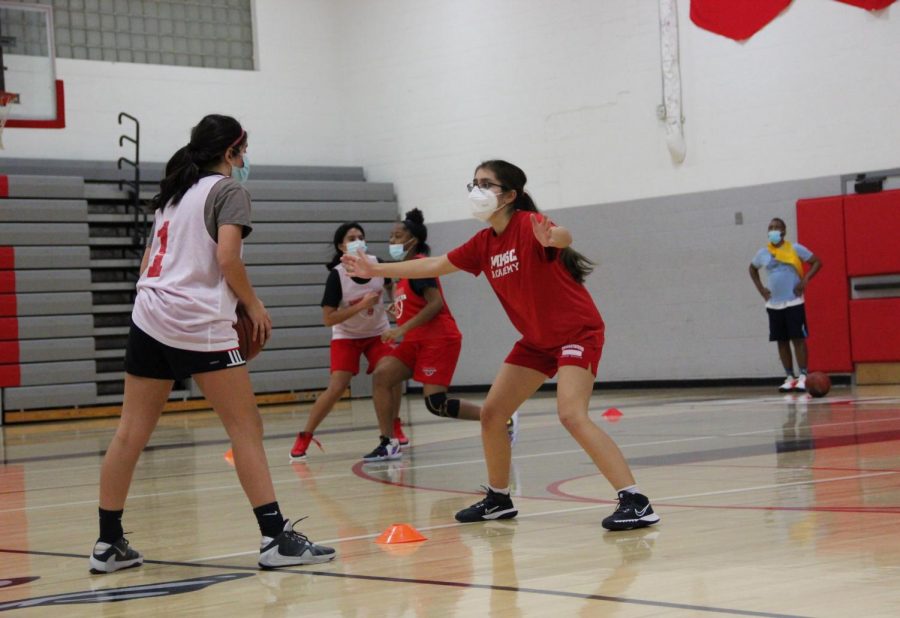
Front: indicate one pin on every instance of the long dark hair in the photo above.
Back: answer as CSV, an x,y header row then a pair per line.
x,y
209,140
513,178
339,234
414,222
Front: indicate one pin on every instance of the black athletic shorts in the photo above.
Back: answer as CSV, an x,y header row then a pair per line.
x,y
788,323
148,358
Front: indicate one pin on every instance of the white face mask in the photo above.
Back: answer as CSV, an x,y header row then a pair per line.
x,y
483,203
355,245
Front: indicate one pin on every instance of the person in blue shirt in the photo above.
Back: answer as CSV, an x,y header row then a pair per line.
x,y
783,294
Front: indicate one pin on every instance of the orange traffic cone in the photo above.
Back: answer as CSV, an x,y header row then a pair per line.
x,y
229,457
400,533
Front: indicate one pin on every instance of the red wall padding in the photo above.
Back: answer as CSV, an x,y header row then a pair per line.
x,y
10,376
875,323
820,228
873,228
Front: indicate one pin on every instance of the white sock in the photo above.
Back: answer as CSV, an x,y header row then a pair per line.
x,y
632,489
504,491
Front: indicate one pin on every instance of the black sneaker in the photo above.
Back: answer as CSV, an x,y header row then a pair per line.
x,y
107,558
291,548
634,511
386,450
494,506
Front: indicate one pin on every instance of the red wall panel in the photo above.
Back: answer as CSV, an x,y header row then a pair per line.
x,y
873,228
820,227
875,323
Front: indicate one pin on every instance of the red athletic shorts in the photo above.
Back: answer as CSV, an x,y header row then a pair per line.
x,y
345,353
432,361
584,352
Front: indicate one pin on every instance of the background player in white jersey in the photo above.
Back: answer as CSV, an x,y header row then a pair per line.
x,y
354,310
192,277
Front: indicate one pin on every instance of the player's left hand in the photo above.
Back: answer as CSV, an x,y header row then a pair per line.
x,y
798,289
542,229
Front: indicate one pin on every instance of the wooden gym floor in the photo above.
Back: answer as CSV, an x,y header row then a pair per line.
x,y
771,505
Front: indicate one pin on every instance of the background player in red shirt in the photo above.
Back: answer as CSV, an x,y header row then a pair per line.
x,y
431,341
538,279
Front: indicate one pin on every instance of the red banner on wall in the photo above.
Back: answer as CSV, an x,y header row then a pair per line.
x,y
736,19
870,5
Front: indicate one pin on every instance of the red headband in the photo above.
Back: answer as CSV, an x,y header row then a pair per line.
x,y
238,140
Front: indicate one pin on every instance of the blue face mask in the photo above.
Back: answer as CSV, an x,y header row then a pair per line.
x,y
774,237
397,252
355,245
241,174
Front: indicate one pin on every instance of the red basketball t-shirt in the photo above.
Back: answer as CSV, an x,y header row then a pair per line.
x,y
408,303
539,295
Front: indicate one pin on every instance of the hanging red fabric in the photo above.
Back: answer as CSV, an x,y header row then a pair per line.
x,y
736,19
870,5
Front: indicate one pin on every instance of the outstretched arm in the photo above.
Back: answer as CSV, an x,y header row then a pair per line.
x,y
359,266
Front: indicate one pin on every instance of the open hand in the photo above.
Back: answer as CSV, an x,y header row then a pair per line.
x,y
357,265
542,230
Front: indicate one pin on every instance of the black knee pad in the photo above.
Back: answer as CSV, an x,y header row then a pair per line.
x,y
439,405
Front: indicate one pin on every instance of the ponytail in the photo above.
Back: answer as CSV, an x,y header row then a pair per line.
x,y
210,139
513,178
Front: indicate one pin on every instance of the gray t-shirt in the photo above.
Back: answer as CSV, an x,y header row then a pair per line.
x,y
228,202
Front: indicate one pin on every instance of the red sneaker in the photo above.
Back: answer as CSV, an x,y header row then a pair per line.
x,y
298,453
398,432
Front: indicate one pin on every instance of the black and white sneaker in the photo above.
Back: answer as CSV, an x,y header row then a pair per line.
x,y
634,511
494,506
386,450
107,558
291,548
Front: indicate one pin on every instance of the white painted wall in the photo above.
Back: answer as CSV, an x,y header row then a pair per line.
x,y
290,105
568,91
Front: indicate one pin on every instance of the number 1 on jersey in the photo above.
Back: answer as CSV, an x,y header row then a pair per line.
x,y
156,266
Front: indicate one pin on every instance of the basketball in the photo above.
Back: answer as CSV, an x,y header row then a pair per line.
x,y
244,327
818,384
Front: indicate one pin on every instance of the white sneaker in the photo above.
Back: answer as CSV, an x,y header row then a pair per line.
x,y
800,384
512,428
291,548
788,385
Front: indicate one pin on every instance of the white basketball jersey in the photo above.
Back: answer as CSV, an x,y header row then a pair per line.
x,y
182,299
367,323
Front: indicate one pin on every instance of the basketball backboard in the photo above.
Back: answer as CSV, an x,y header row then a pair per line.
x,y
28,61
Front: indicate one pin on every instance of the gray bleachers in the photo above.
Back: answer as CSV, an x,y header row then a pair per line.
x,y
74,268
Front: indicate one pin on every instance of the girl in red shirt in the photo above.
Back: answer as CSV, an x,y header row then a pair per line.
x,y
538,279
431,341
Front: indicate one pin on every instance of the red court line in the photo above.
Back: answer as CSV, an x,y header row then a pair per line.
x,y
554,488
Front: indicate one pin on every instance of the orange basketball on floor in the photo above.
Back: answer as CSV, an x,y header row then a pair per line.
x,y
818,384
244,327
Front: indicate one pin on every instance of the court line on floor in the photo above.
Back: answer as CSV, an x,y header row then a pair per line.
x,y
596,504
449,584
330,476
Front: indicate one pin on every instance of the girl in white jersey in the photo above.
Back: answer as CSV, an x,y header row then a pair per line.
x,y
354,310
192,277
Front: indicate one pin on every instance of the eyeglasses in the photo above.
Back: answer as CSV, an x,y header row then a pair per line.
x,y
485,184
